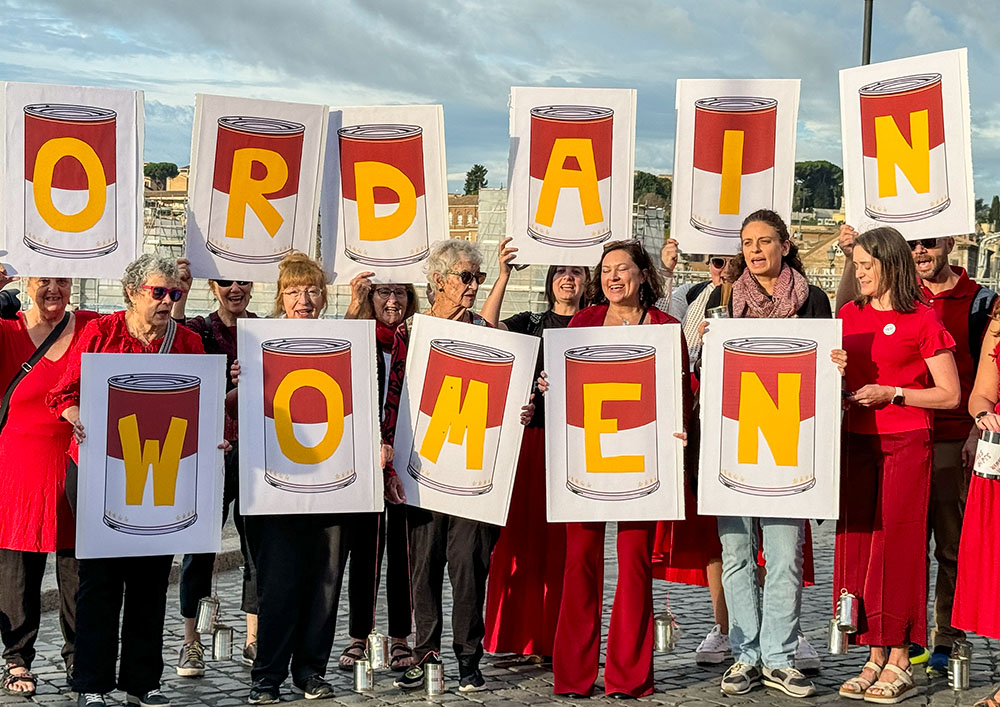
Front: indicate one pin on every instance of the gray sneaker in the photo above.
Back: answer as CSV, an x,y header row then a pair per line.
x,y
740,678
191,662
790,681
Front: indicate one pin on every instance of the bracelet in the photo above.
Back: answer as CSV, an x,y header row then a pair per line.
x,y
981,415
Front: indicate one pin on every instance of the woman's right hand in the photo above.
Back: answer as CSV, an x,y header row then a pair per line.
x,y
234,372
506,255
990,422
703,328
846,239
72,416
6,279
184,273
542,384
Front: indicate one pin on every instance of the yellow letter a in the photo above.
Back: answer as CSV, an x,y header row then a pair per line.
x,y
557,178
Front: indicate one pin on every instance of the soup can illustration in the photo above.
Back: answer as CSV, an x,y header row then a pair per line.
x,y
151,472
569,190
308,414
70,180
768,415
384,194
255,188
611,441
458,422
902,136
733,171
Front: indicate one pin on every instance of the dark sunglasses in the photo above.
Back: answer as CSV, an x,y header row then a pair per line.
x,y
229,283
718,263
159,292
927,243
467,276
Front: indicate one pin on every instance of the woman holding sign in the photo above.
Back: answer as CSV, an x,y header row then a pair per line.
x,y
900,368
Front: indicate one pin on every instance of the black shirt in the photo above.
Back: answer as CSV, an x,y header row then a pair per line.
x,y
533,325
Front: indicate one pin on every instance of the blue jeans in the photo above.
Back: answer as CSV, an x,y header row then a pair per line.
x,y
763,625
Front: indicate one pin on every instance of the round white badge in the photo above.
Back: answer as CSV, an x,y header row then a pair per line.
x,y
889,329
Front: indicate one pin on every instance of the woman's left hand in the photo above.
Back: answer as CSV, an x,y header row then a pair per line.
x,y
394,493
226,446
872,395
506,255
839,357
528,411
683,436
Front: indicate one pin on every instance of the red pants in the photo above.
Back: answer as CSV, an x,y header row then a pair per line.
x,y
881,554
629,664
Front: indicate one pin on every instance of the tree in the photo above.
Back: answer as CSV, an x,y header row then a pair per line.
x,y
650,190
818,184
982,211
995,213
475,179
160,172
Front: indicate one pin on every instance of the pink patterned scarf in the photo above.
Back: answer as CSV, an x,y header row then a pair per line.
x,y
750,299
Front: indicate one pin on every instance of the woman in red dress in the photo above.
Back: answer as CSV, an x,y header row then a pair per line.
x,y
900,367
35,517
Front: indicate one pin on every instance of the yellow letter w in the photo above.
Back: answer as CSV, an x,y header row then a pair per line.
x,y
139,457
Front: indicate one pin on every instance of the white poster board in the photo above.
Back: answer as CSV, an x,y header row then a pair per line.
x,y
385,191
309,434
734,153
255,185
72,166
572,157
151,474
458,432
907,140
770,419
613,406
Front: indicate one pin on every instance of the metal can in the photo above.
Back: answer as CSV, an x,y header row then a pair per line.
x,y
962,649
433,677
458,422
836,640
255,188
847,612
987,464
611,407
733,165
569,189
207,615
958,673
70,180
364,676
152,432
222,642
664,632
769,421
308,414
717,313
384,194
902,134
378,650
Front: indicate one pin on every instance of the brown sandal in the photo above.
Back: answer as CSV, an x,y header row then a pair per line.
x,y
355,651
400,657
9,680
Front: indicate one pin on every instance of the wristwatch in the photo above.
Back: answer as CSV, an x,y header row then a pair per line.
x,y
897,399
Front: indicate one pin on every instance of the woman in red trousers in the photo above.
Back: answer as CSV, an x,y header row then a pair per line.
x,y
900,367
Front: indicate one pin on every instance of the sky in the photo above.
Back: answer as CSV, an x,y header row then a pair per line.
x,y
465,55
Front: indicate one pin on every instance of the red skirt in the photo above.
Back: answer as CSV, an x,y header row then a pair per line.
x,y
526,572
977,592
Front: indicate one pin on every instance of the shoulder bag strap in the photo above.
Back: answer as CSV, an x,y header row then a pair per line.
x,y
168,337
29,364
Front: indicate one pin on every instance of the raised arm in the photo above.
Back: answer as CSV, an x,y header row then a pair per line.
x,y
847,290
491,308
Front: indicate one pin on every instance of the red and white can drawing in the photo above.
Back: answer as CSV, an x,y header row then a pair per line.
x,y
902,134
70,180
734,138
151,472
308,414
255,188
611,440
384,194
569,190
768,415
458,422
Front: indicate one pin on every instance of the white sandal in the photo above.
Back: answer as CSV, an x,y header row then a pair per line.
x,y
859,683
894,692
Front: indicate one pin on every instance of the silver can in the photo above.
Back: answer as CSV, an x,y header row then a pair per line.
x,y
364,676
847,612
836,639
717,313
378,650
222,642
958,672
208,614
962,649
434,678
664,632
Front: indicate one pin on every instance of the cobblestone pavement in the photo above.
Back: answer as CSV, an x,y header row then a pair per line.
x,y
678,680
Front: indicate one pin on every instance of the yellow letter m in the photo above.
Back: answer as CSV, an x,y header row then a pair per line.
x,y
458,420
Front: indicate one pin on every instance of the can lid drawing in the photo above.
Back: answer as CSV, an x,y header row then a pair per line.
x,y
71,113
900,84
770,346
306,346
377,131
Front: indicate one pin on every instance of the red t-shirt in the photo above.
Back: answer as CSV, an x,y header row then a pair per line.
x,y
889,348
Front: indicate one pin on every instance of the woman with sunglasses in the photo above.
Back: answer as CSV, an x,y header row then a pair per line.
x,y
150,287
218,336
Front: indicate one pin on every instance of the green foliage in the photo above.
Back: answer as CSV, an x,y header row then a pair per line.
x,y
650,190
160,172
475,179
995,213
818,184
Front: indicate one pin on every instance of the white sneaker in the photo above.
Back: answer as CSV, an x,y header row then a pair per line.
x,y
714,649
806,657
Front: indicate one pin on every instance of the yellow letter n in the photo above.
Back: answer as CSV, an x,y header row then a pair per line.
x,y
778,423
458,420
913,158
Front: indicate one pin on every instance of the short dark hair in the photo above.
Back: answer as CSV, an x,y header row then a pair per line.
x,y
550,277
899,275
739,263
650,291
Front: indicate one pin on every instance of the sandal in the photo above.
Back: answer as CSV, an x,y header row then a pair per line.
x,y
899,689
992,700
855,688
400,657
10,679
355,651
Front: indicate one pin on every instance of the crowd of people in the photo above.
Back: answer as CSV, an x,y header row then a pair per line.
x,y
916,394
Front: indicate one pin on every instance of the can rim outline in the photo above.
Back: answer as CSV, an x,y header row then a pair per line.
x,y
463,349
96,114
377,132
758,346
147,382
736,104
320,346
130,529
572,113
633,352
899,85
261,125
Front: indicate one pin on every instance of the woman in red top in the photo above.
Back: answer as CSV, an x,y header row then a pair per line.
x,y
900,367
150,287
35,518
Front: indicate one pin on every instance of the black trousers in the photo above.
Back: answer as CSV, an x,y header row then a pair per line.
x,y
371,536
465,547
105,584
21,576
299,561
197,570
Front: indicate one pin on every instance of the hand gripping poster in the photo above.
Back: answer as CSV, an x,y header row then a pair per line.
x,y
770,416
458,432
151,473
734,153
907,145
385,191
72,165
255,185
309,434
572,153
613,406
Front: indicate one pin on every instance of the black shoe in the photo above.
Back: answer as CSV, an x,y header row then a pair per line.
x,y
473,682
621,696
91,699
153,698
316,688
411,679
264,695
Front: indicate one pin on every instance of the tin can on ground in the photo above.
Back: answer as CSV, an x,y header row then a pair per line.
x,y
769,422
208,614
902,134
458,422
569,189
664,632
158,413
70,180
378,650
836,640
384,194
255,188
308,414
847,612
733,164
222,642
958,673
611,439
364,676
987,464
434,678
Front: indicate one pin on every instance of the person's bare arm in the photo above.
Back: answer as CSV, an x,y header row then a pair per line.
x,y
847,290
945,394
491,308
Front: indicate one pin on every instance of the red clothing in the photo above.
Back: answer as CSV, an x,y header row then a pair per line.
x,y
35,515
108,335
874,355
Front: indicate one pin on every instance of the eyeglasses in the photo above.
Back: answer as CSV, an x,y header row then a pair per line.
x,y
387,292
229,283
159,292
927,243
467,276
312,293
718,263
